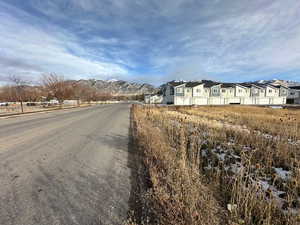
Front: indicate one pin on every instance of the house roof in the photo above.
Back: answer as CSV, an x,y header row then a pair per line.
x,y
209,83
228,85
175,83
193,84
295,87
273,86
260,85
248,85
251,84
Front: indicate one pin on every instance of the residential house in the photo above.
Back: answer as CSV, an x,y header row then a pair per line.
x,y
213,93
169,91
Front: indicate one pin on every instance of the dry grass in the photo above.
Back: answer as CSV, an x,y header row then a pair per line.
x,y
202,161
16,108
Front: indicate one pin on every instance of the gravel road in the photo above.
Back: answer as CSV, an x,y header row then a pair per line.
x,y
66,167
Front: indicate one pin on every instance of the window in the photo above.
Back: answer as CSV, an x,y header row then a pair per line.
x,y
198,90
270,91
178,90
262,91
187,90
223,90
240,90
215,90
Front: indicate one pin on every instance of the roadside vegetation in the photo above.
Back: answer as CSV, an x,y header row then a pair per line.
x,y
21,95
218,165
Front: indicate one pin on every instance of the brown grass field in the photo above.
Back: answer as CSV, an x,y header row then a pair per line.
x,y
218,165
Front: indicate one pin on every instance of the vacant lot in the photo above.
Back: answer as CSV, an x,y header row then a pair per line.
x,y
219,165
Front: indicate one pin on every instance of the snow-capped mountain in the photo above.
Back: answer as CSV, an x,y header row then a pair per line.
x,y
277,82
120,87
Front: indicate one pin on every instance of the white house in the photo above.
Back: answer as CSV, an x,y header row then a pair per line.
x,y
213,93
153,99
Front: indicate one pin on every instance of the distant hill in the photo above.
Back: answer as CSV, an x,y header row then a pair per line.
x,y
119,87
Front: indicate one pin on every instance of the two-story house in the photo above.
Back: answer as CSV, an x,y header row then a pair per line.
x,y
169,91
212,93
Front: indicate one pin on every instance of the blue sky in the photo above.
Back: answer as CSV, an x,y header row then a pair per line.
x,y
151,40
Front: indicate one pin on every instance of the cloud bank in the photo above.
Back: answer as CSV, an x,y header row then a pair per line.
x,y
151,40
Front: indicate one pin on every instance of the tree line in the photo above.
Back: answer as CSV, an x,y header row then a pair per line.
x,y
53,86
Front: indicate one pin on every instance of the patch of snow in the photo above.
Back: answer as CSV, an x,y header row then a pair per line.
x,y
203,153
276,107
283,174
221,156
112,80
209,167
264,185
236,168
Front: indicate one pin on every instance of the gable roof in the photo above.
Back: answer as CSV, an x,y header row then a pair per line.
x,y
209,83
175,83
193,84
228,85
273,86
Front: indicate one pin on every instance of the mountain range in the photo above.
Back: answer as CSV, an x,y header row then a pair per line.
x,y
119,87
286,83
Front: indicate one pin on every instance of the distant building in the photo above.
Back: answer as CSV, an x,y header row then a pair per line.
x,y
153,99
207,92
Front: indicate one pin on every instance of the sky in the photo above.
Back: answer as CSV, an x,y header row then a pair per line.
x,y
151,41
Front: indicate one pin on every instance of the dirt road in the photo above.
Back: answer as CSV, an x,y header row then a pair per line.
x,y
66,167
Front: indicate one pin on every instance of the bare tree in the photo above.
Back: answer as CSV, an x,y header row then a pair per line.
x,y
18,89
81,91
56,86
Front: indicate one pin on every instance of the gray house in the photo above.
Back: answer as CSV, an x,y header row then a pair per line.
x,y
293,96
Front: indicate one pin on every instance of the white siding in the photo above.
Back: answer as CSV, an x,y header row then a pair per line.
x,y
272,92
200,101
242,91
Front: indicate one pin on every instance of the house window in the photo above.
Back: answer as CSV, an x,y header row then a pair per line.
x,y
223,90
240,91
187,90
262,91
215,90
198,90
270,91
292,93
179,90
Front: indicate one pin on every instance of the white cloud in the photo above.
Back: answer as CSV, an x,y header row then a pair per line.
x,y
28,49
186,38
